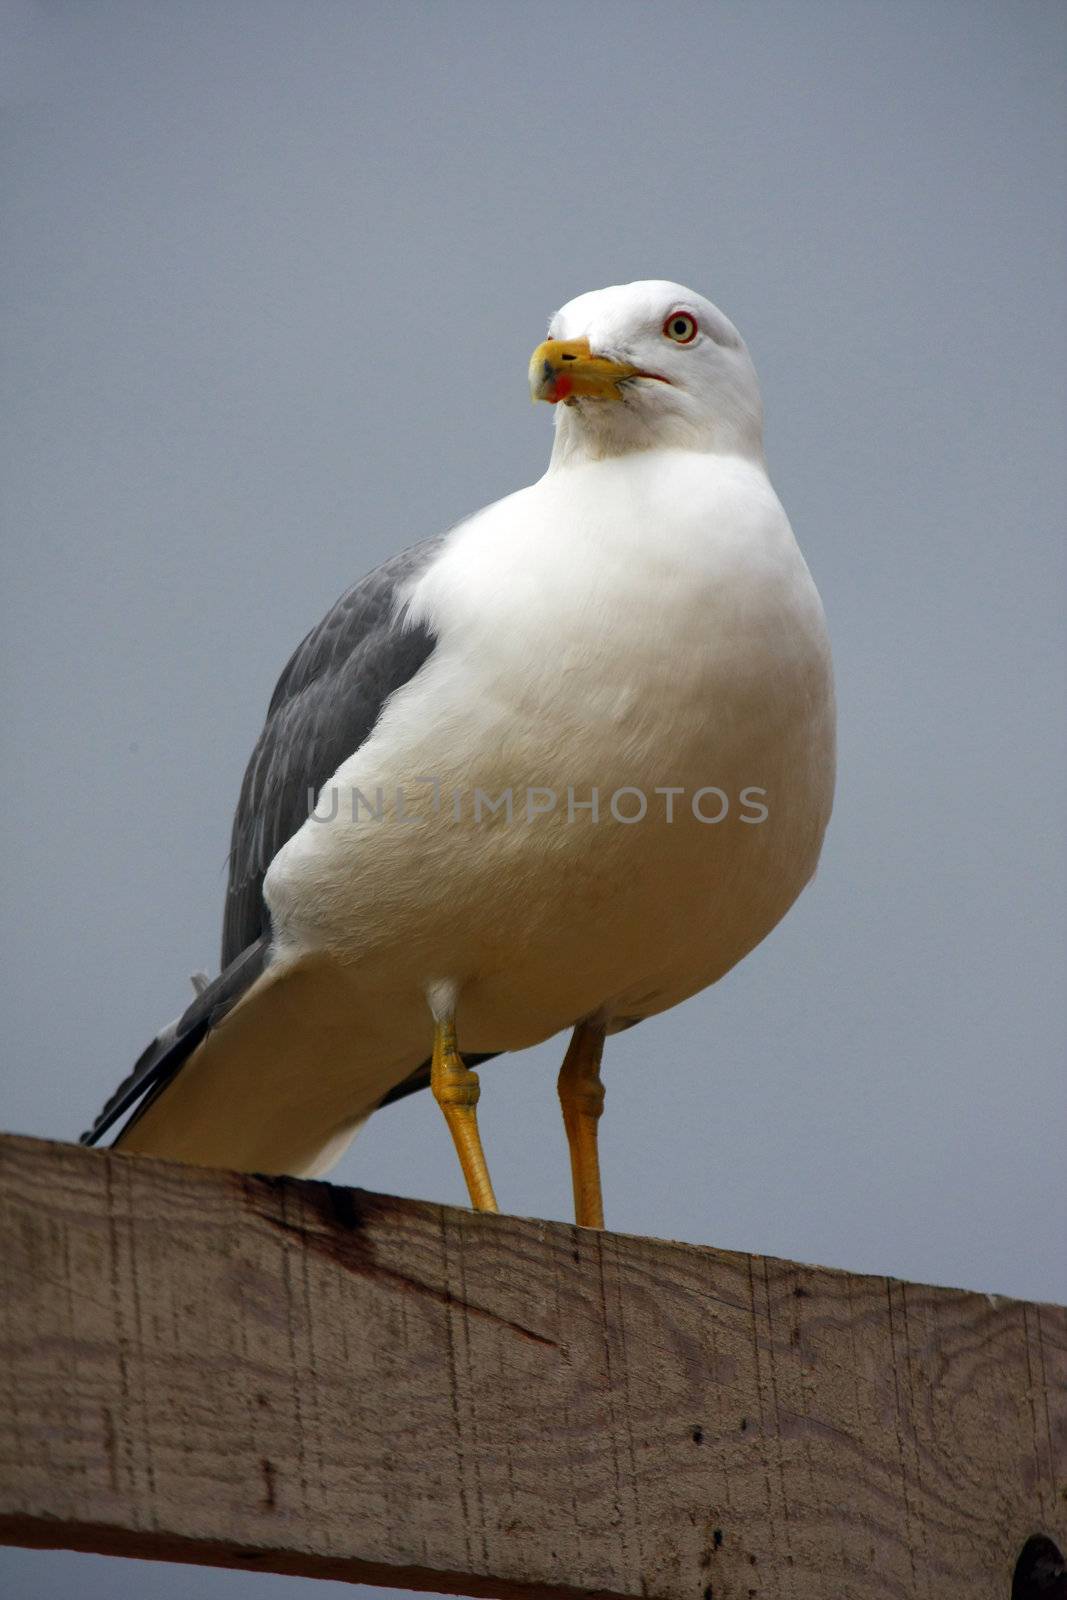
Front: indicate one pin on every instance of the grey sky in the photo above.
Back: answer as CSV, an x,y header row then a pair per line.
x,y
271,276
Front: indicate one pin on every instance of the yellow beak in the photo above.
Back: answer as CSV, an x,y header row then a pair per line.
x,y
565,369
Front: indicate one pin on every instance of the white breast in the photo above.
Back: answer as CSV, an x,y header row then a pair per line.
x,y
637,624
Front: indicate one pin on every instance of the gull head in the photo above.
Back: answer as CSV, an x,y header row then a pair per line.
x,y
646,366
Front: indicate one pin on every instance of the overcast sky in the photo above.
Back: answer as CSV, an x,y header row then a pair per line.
x,y
271,276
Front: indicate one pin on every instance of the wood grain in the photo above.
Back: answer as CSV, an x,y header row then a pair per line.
x,y
290,1376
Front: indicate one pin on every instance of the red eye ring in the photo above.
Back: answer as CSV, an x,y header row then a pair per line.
x,y
681,327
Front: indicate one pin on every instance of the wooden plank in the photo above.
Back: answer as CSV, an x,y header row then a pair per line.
x,y
300,1378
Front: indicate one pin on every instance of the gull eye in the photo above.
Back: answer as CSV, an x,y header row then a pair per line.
x,y
681,327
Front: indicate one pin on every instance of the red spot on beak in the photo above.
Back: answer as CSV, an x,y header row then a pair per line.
x,y
561,387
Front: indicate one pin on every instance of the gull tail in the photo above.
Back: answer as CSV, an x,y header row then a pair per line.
x,y
262,1073
158,1063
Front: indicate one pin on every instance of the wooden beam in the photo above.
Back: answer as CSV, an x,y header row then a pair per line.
x,y
299,1378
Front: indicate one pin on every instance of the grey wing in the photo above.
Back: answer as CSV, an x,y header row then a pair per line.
x,y
325,705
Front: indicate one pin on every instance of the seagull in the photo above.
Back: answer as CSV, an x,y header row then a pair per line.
x,y
559,769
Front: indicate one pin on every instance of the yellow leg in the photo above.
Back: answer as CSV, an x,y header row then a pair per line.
x,y
456,1090
581,1095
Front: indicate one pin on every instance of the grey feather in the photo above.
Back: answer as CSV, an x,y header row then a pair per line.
x,y
326,703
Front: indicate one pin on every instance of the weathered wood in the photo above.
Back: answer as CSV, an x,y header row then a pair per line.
x,y
295,1377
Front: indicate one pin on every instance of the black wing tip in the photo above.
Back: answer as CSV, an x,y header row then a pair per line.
x,y
164,1056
